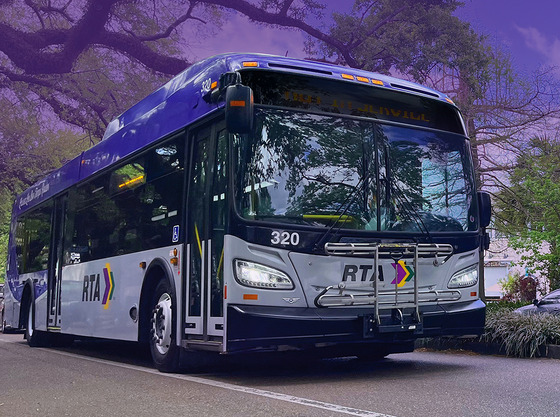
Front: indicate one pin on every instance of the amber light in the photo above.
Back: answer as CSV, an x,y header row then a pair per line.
x,y
237,103
251,64
376,82
363,79
347,76
174,260
250,297
142,265
214,85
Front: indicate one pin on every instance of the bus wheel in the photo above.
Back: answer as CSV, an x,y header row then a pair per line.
x,y
163,346
35,338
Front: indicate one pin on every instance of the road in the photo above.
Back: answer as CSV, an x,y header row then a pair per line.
x,y
117,379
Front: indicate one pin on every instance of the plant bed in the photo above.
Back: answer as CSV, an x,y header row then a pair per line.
x,y
508,333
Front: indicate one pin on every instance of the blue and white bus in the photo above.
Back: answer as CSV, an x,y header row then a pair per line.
x,y
258,203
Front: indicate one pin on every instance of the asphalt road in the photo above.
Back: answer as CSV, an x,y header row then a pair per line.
x,y
116,379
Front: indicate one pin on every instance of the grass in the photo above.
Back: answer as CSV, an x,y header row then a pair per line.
x,y
520,335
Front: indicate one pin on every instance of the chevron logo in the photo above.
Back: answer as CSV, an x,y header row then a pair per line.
x,y
404,273
109,286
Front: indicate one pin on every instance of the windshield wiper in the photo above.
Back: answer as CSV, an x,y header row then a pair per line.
x,y
360,187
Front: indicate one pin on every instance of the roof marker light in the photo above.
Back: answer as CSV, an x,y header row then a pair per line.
x,y
251,64
347,76
449,100
377,82
363,79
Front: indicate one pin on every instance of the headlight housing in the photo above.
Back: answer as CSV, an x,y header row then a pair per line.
x,y
254,275
464,278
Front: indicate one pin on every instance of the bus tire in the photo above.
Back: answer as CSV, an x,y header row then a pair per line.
x,y
163,340
35,338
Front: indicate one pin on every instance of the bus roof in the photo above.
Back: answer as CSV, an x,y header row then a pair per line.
x,y
180,102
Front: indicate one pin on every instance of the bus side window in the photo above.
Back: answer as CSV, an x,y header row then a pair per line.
x,y
33,234
129,209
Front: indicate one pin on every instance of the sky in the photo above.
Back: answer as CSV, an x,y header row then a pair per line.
x,y
530,31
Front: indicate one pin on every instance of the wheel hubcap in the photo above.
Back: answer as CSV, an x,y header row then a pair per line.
x,y
162,324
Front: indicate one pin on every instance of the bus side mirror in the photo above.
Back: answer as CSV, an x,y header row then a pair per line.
x,y
239,109
484,208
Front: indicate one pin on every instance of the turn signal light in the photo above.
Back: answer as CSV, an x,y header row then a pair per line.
x,y
250,297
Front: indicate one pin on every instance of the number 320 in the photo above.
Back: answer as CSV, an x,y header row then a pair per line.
x,y
284,238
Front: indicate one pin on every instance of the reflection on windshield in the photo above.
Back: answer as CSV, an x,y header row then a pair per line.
x,y
323,171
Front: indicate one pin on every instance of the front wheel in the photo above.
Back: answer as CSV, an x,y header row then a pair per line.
x,y
163,340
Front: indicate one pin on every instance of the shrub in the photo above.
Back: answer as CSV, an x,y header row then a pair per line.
x,y
521,335
519,288
504,306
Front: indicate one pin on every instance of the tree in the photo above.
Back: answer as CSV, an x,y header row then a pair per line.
x,y
29,150
528,209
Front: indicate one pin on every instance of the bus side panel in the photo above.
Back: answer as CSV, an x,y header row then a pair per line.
x,y
98,296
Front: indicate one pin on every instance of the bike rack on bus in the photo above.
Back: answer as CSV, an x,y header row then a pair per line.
x,y
352,293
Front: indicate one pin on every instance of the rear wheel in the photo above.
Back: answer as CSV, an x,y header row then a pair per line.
x,y
163,340
35,338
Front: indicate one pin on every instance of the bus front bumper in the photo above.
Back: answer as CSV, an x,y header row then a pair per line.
x,y
276,328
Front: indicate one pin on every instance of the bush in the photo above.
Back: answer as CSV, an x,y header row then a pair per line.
x,y
519,288
521,335
504,306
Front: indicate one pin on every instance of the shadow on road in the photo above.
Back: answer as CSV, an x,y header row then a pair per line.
x,y
279,368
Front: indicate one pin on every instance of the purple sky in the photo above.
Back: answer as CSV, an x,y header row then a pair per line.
x,y
528,30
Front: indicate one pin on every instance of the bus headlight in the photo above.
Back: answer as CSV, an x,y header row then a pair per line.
x,y
255,275
464,278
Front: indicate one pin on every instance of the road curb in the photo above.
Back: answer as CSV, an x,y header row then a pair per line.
x,y
477,346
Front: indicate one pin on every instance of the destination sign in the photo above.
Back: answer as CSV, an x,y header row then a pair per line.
x,y
351,98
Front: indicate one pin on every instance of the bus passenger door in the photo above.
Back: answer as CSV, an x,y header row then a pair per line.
x,y
206,221
55,263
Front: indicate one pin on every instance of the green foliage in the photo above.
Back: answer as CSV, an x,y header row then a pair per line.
x,y
29,152
503,306
521,335
529,211
519,288
412,37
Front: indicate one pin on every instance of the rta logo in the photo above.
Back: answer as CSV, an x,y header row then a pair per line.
x,y
91,287
361,273
364,273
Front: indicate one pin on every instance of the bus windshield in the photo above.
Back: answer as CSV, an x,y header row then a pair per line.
x,y
325,170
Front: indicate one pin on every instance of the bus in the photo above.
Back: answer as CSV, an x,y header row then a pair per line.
x,y
258,203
